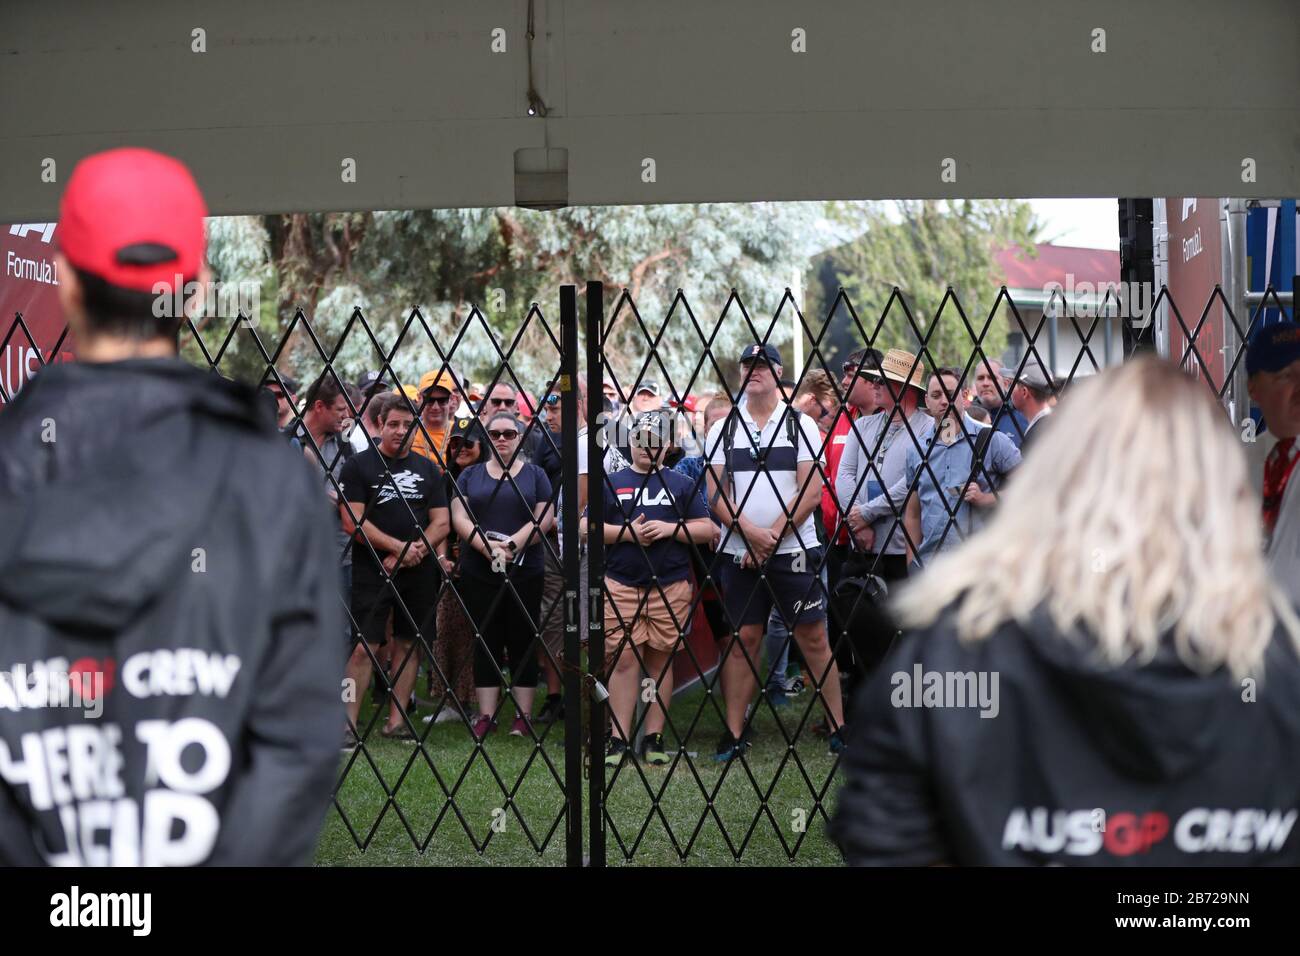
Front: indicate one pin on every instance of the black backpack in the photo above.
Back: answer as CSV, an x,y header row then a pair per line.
x,y
981,448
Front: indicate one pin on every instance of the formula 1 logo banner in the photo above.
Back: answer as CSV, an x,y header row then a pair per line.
x,y
29,286
1195,266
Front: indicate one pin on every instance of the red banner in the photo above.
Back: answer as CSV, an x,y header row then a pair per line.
x,y
29,286
1195,265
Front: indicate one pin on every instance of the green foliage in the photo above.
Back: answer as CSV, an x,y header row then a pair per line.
x,y
923,247
444,263
418,276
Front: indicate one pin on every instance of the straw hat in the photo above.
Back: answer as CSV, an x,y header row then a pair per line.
x,y
896,366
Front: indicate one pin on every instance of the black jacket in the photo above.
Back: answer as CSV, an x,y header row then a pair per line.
x,y
155,528
550,451
1082,764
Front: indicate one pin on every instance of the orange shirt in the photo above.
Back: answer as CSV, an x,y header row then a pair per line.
x,y
439,438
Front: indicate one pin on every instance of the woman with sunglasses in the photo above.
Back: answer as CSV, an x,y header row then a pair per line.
x,y
501,514
452,677
504,400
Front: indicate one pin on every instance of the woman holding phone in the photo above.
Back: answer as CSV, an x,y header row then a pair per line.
x,y
501,516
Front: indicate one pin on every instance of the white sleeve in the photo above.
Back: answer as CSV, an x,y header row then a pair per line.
x,y
717,454
582,454
810,447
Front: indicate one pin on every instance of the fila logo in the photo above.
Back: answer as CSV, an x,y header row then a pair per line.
x,y
21,229
639,496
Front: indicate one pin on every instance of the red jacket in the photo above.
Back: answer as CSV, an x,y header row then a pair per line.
x,y
836,530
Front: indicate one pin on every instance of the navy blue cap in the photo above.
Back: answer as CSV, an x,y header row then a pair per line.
x,y
761,351
654,422
1273,348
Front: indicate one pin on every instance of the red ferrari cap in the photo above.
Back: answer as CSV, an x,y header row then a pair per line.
x,y
133,218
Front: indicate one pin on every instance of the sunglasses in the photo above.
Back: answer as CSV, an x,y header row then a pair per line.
x,y
851,368
506,402
552,400
504,434
433,400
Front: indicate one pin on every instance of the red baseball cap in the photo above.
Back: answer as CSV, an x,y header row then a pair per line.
x,y
133,218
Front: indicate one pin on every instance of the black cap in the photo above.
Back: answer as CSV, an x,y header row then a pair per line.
x,y
651,387
655,422
290,384
469,429
868,357
761,350
372,381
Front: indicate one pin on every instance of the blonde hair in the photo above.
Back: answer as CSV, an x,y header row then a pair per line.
x,y
1133,516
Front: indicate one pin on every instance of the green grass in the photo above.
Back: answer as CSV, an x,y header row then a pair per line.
x,y
683,790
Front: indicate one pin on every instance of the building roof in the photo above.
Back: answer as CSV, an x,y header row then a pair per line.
x,y
1054,263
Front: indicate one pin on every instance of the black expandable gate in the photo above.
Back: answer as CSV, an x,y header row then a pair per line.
x,y
453,798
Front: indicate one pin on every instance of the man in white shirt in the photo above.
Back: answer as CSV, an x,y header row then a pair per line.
x,y
763,491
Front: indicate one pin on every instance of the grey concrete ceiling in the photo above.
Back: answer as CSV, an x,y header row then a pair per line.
x,y
711,91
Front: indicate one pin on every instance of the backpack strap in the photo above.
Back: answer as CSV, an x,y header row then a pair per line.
x,y
729,442
981,448
792,429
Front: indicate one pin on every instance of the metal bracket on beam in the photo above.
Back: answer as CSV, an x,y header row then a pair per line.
x,y
541,178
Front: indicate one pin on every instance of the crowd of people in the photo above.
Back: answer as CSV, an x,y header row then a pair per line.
x,y
783,511
1122,574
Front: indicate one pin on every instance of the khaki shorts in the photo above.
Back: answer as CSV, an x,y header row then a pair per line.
x,y
655,623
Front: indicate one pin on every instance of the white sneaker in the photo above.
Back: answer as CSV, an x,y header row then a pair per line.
x,y
447,714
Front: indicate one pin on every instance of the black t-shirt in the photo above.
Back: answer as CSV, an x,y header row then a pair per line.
x,y
550,448
661,496
397,505
500,508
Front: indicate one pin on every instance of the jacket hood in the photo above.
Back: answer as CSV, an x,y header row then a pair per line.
x,y
1154,721
109,470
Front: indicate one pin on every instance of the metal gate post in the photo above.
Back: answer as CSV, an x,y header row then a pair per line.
x,y
573,689
595,328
